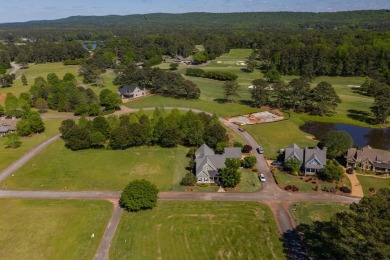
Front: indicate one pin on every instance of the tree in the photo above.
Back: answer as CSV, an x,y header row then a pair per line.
x,y
332,172
192,128
259,93
77,138
171,136
230,176
109,99
173,66
272,75
230,89
300,90
24,80
214,134
360,233
12,141
336,142
381,107
23,128
188,180
120,138
324,99
294,165
249,162
100,124
11,104
41,105
66,125
139,195
35,121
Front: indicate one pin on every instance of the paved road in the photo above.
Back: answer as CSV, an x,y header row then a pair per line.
x,y
15,67
26,157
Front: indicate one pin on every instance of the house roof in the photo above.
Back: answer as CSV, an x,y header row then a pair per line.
x,y
232,152
294,151
315,154
204,150
127,89
368,154
4,129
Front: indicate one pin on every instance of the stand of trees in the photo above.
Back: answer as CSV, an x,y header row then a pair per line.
x,y
158,81
217,75
167,130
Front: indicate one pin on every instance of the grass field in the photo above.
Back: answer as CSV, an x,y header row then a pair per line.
x,y
51,229
8,156
58,168
372,182
308,212
198,230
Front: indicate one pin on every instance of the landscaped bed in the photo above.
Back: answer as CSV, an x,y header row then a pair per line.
x,y
51,229
307,183
198,230
308,212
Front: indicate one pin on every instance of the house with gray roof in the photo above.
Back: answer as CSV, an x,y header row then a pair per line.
x,y
313,159
131,92
7,125
370,159
208,164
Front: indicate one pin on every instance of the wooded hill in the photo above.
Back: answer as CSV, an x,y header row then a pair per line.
x,y
371,19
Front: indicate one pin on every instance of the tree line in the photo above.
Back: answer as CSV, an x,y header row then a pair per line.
x,y
129,130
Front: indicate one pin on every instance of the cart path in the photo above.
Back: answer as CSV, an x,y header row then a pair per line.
x,y
356,187
26,157
103,251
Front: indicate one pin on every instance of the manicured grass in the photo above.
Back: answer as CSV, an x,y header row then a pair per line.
x,y
249,181
372,182
308,212
279,135
51,229
58,168
9,155
198,230
288,179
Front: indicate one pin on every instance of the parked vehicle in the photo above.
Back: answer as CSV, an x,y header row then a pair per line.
x,y
277,163
349,170
262,178
260,150
241,129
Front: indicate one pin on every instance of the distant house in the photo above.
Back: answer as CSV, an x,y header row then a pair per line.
x,y
313,159
178,59
7,125
369,159
131,92
208,164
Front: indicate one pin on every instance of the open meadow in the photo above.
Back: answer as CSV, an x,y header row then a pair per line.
x,y
308,212
58,168
51,229
198,230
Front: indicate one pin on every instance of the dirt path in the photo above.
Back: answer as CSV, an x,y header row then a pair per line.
x,y
15,67
357,189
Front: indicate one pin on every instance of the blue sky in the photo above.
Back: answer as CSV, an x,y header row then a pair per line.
x,y
26,10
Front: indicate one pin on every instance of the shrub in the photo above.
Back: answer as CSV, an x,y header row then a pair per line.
x,y
139,195
238,144
345,190
247,148
372,190
249,162
276,177
188,180
195,72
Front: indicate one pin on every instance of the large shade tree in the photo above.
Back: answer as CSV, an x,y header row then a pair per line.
x,y
337,143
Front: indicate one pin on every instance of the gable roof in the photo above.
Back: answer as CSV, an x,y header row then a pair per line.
x,y
204,150
127,89
368,154
294,151
232,152
315,154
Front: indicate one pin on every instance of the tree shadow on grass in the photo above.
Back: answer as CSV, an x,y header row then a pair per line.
x,y
221,100
294,248
362,116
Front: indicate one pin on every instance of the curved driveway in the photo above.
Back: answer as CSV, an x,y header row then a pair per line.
x,y
278,199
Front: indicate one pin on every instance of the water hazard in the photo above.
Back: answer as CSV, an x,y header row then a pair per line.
x,y
376,138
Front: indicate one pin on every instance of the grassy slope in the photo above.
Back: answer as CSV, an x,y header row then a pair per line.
x,y
372,182
198,230
58,168
8,156
308,212
51,229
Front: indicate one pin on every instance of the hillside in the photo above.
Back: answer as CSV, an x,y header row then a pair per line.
x,y
373,19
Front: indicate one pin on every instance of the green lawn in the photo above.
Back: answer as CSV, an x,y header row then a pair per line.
x,y
51,229
372,182
198,230
308,212
288,179
278,135
9,155
249,181
58,168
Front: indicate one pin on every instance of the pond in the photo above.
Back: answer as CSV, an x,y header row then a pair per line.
x,y
378,138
